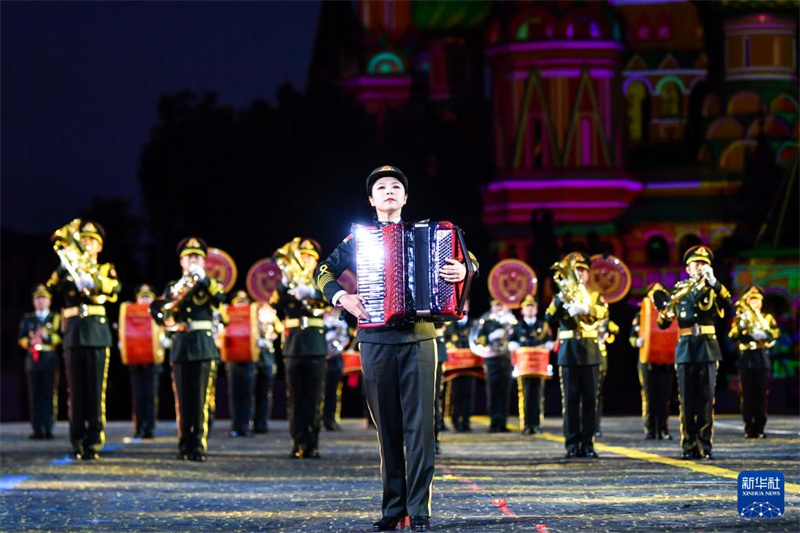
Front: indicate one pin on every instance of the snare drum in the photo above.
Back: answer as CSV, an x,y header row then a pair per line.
x,y
531,362
462,362
240,337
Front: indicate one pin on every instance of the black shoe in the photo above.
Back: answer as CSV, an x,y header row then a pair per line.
x,y
665,435
761,436
692,454
35,436
332,426
261,431
598,433
198,457
77,455
183,456
313,454
571,454
493,429
590,453
527,431
437,448
296,453
387,523
48,436
537,430
707,455
650,436
148,434
91,456
503,429
420,523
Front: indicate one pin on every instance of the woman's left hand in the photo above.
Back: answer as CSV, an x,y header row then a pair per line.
x,y
453,271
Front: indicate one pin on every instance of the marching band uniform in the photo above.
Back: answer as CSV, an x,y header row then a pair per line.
x,y
579,360
606,335
655,380
399,367
144,382
462,388
193,349
241,384
86,340
304,351
529,332
338,338
441,352
697,354
39,337
269,329
493,333
754,343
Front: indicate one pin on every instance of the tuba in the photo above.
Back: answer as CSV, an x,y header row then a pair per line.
x,y
496,346
751,319
294,268
572,289
67,245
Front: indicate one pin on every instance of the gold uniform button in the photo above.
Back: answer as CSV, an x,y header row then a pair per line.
x,y
102,320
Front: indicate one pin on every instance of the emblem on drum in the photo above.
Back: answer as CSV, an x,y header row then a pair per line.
x,y
263,279
610,276
220,266
510,281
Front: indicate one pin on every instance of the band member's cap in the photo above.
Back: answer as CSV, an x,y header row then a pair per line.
x,y
240,298
701,252
579,260
753,292
40,291
143,290
310,247
94,230
192,245
529,300
383,172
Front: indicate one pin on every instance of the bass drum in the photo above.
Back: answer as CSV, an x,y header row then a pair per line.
x,y
239,338
461,362
139,336
532,362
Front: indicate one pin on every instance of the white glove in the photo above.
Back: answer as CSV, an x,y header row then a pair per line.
x,y
85,281
262,343
639,342
513,346
759,335
197,270
708,272
329,336
301,292
497,335
549,345
166,342
577,309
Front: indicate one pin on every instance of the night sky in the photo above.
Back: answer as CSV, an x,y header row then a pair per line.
x,y
80,83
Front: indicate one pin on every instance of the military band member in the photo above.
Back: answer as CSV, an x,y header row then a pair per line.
x,y
579,358
144,381
697,354
269,330
399,368
86,340
607,333
304,351
754,334
461,389
195,295
529,332
338,338
494,331
655,379
241,384
39,336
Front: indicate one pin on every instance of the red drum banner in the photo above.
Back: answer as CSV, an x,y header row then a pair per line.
x,y
510,281
263,279
610,276
221,267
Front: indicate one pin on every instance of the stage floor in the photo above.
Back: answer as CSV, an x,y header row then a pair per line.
x,y
484,482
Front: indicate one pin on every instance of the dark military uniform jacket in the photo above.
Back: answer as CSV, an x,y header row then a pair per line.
x,y
491,323
530,334
582,347
343,258
305,339
456,335
50,337
700,308
193,339
753,353
84,321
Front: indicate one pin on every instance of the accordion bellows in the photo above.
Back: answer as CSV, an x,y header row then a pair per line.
x,y
397,271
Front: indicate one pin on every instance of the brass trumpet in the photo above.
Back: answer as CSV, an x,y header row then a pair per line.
x,y
164,311
666,302
67,245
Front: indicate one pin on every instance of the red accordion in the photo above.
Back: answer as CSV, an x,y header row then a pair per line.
x,y
397,271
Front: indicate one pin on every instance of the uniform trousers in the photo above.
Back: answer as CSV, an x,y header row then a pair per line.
x,y
498,387
578,396
87,369
305,379
531,402
656,383
192,385
265,374
42,391
754,399
333,388
241,381
400,385
696,383
144,386
461,393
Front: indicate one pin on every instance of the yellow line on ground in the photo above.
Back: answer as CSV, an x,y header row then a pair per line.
x,y
653,458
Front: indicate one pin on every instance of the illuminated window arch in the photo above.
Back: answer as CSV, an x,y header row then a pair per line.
x,y
534,28
745,103
734,156
670,79
637,110
670,100
725,128
386,63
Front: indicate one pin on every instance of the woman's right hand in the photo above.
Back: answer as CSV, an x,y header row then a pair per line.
x,y
354,304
